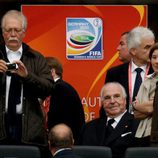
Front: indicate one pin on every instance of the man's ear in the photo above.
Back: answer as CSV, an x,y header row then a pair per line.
x,y
125,102
133,51
53,72
73,140
49,145
23,35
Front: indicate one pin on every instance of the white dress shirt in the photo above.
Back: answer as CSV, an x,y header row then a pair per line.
x,y
134,73
12,56
117,119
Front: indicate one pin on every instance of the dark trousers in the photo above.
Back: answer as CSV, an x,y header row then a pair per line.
x,y
13,129
14,133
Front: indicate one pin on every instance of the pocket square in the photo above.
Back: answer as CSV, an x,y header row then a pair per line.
x,y
124,134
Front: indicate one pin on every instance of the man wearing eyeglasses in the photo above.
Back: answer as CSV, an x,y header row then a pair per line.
x,y
116,130
24,80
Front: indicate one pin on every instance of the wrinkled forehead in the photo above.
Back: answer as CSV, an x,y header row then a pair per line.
x,y
112,89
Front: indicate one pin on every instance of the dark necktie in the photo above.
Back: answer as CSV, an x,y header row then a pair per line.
x,y
138,82
110,122
13,97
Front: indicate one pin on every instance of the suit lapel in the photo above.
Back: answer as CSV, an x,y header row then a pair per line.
x,y
120,128
124,77
124,80
100,131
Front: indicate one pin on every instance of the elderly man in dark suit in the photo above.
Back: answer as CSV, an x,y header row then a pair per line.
x,y
139,41
117,129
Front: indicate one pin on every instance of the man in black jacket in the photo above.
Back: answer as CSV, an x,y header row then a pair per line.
x,y
65,104
117,129
139,41
24,80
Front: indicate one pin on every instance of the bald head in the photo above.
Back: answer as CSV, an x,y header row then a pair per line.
x,y
60,136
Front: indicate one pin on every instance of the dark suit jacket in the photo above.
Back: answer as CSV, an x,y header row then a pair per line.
x,y
94,133
65,107
120,74
66,154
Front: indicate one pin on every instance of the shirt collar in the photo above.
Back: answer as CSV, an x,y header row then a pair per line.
x,y
56,79
14,55
134,66
118,118
61,150
19,50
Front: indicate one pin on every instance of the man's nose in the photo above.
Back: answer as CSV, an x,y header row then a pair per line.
x,y
112,99
13,32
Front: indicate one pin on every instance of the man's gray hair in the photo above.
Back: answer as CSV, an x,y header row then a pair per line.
x,y
114,83
135,36
15,14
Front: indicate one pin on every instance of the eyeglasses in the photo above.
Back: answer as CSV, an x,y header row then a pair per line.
x,y
16,30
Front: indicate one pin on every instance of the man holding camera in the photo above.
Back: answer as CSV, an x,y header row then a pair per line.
x,y
24,80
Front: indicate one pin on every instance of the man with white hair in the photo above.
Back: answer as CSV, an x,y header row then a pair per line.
x,y
24,79
139,41
117,129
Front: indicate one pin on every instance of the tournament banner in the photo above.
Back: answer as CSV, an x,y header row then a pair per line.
x,y
84,38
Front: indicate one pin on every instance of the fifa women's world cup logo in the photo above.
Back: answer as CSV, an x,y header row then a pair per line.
x,y
84,39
